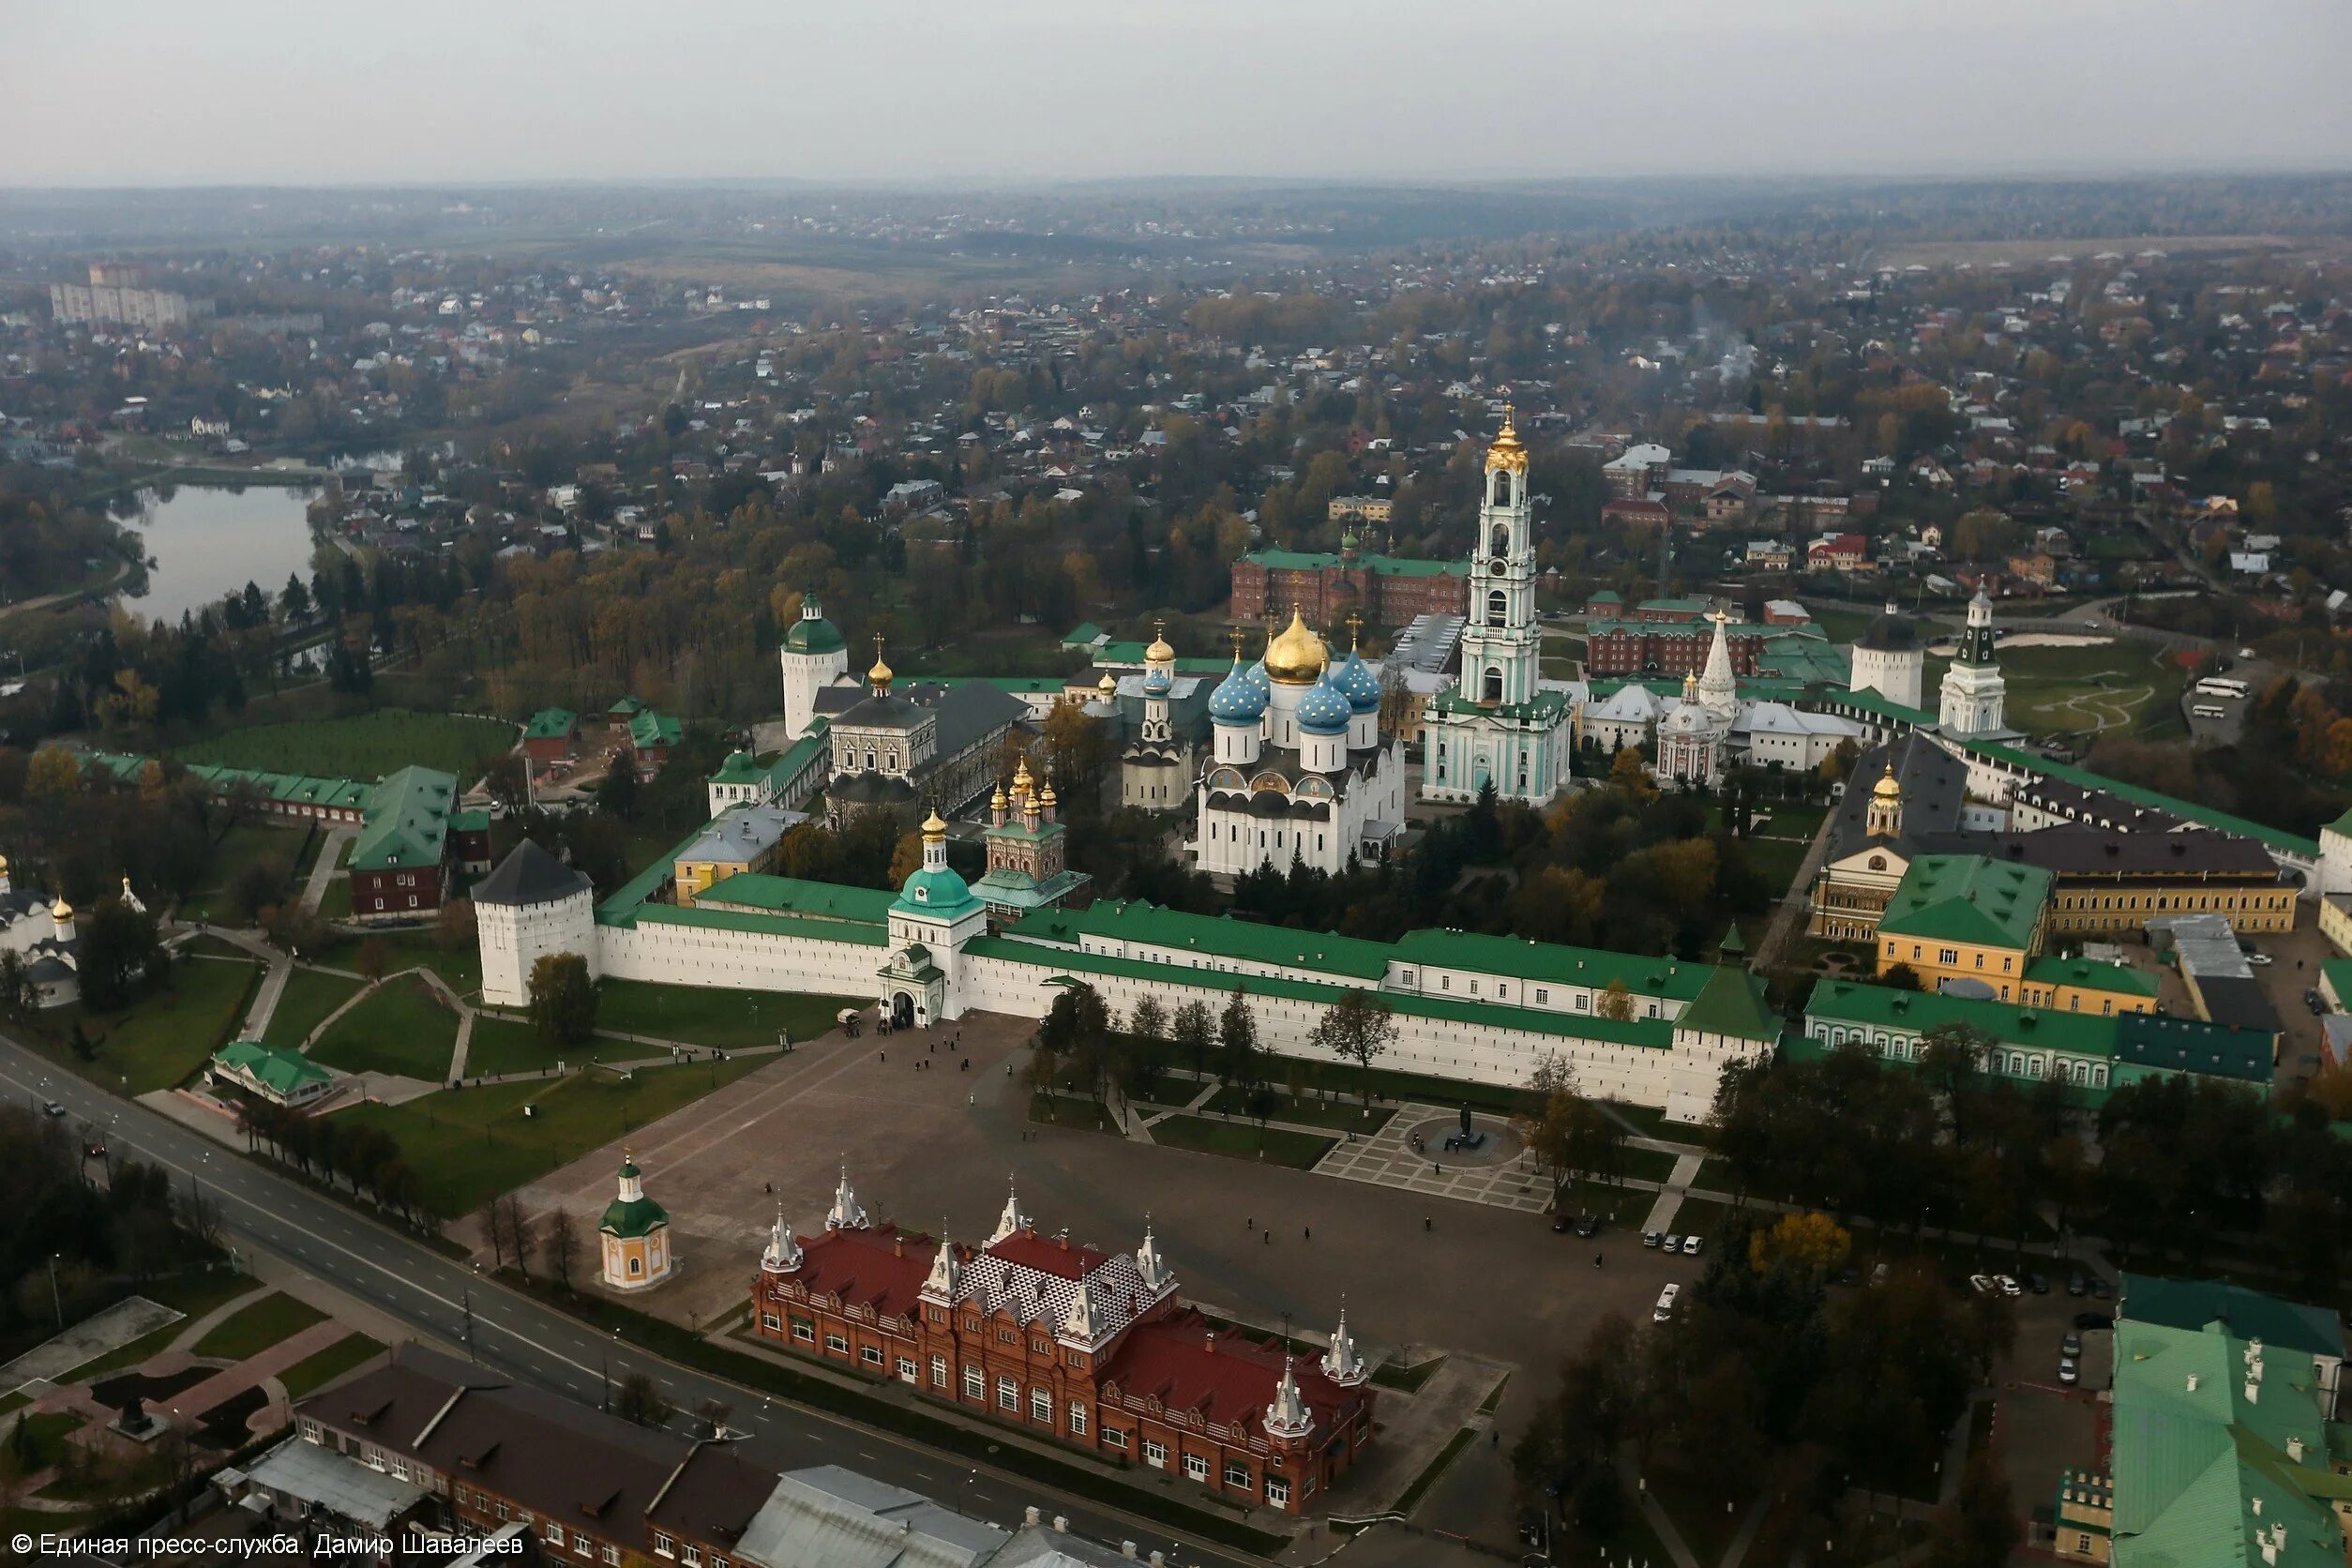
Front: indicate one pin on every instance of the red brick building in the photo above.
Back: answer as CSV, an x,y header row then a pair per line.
x,y
1089,1348
1636,511
1326,588
1661,647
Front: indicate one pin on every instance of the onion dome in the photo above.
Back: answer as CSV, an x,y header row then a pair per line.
x,y
1256,675
1107,686
879,676
1238,700
934,825
1887,789
1357,683
1507,451
1159,652
1297,656
1158,682
61,911
1046,798
1325,710
998,802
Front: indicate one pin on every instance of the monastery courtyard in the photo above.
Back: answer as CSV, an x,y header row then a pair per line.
x,y
935,1145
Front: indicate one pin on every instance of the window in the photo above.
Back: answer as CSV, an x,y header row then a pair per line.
x,y
1196,1466
611,1556
691,1556
1040,1406
554,1534
1006,1336
1008,1394
804,1331
1113,1438
1277,1491
870,1355
1155,1453
938,1371
1041,1346
1078,1421
771,1321
837,1344
1542,996
1237,1474
906,1369
663,1545
975,1386
581,1545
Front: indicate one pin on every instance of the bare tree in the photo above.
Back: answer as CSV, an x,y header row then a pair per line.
x,y
559,1244
521,1239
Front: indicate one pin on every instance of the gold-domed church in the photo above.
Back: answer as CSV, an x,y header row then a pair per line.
x,y
1499,725
1298,766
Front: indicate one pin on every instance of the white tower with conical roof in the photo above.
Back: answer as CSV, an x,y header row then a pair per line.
x,y
813,657
847,1213
1975,696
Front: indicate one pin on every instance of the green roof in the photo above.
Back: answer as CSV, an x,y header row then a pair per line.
x,y
2122,979
2160,1043
1383,565
1218,936
281,1072
1650,1033
632,1219
1968,898
2248,1313
739,768
1731,1002
407,822
1084,635
815,900
473,819
649,730
813,635
1520,958
2188,811
1849,1002
2337,973
549,724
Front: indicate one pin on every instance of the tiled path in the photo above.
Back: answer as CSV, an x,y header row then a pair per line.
x,y
1386,1159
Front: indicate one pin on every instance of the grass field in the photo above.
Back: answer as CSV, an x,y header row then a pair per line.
x,y
304,1005
462,969
240,847
255,1327
2093,686
324,1367
158,1041
1242,1141
501,1045
471,1145
366,745
402,1029
1344,1115
192,1295
40,1442
722,1018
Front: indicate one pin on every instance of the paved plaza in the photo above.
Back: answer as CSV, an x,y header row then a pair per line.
x,y
1499,1173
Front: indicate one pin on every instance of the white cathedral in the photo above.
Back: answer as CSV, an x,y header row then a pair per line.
x,y
1501,724
1297,767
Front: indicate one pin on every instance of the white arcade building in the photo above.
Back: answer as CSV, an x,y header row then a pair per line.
x,y
1298,767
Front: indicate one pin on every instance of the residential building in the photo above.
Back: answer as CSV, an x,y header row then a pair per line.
x,y
1384,590
286,1078
738,839
1965,917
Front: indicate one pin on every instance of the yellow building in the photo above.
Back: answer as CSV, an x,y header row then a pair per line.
x,y
739,839
1963,918
635,1233
2084,1521
2087,986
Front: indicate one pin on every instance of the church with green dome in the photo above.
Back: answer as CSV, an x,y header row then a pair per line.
x,y
634,1236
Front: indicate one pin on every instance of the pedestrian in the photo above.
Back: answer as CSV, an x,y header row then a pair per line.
x,y
1424,1222
771,1187
885,1056
1268,1235
1251,1223
971,1099
1309,1232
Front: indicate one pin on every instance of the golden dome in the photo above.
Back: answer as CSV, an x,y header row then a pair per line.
x,y
1507,452
1159,652
1887,789
934,825
1022,779
1048,797
880,674
61,911
997,802
1107,686
1297,656
3,865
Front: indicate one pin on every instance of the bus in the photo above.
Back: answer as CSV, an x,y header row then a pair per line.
x,y
2206,710
2215,686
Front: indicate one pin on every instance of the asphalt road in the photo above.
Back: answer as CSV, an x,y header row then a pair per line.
x,y
520,1339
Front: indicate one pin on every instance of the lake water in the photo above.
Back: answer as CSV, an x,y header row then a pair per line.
x,y
207,542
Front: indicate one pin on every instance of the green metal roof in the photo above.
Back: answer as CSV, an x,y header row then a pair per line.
x,y
2122,979
1218,936
649,728
2188,811
407,822
1383,566
1968,897
815,635
549,724
1519,958
2170,1044
816,901
1848,1002
282,1072
2248,1313
1731,1002
739,768
628,1220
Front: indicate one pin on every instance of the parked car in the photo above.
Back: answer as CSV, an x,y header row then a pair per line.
x,y
1587,1225
1691,1246
2074,1285
2313,1000
2257,958
1878,1273
2100,1290
2038,1282
1674,1240
1651,1238
2008,1285
2093,1320
2068,1373
1663,1312
2071,1343
1982,1284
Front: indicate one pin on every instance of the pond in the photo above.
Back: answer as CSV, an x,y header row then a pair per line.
x,y
206,542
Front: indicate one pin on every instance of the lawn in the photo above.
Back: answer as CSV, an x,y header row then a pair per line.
x,y
157,1042
700,1015
324,1367
471,1145
413,949
366,745
254,1328
2107,685
43,1440
1348,1080
1341,1115
239,849
501,1045
309,996
402,1029
1242,1140
192,1295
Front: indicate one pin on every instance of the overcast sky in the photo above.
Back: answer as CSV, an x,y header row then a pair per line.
x,y
162,92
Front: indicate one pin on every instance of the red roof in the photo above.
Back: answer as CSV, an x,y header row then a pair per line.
x,y
879,1268
1228,1377
1030,1250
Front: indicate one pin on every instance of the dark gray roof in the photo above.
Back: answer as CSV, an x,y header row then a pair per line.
x,y
969,712
1933,784
2091,852
1890,633
2237,1004
529,875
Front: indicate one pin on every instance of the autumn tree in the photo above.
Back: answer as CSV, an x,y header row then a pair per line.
x,y
1238,1065
563,1000
1357,1029
1805,1241
1616,1000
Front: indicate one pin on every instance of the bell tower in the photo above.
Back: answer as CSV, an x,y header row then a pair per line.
x,y
1500,650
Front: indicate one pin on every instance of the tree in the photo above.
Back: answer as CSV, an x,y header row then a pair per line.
x,y
1148,1019
559,1244
1626,773
617,794
1237,1043
563,1000
1810,1241
1545,1131
1193,1032
455,928
521,1238
1980,1529
52,771
120,957
906,858
1616,1000
638,1399
18,998
375,957
1357,1029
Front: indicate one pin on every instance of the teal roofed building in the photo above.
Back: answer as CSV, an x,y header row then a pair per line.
x,y
2224,1442
634,1235
281,1078
1028,854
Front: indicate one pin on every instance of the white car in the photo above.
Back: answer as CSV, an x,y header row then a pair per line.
x,y
1982,1284
2008,1287
1664,1310
2069,1372
2258,958
1691,1246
